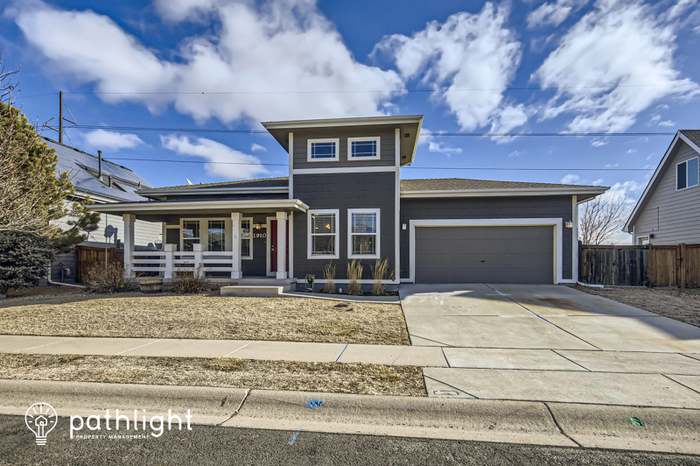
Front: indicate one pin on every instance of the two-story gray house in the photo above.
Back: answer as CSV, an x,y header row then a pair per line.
x,y
668,212
344,199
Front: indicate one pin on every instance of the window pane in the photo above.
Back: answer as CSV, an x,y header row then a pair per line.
x,y
322,150
190,229
680,171
245,228
364,148
217,235
322,244
693,172
364,222
363,244
245,248
187,244
322,223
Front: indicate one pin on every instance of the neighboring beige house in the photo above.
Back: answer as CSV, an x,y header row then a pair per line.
x,y
105,182
669,210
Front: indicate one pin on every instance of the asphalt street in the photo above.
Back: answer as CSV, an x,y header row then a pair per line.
x,y
205,445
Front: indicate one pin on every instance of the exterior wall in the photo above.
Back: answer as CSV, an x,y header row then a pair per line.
x,y
343,192
386,147
671,216
488,208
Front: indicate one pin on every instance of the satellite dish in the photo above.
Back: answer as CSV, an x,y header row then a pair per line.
x,y
110,231
188,181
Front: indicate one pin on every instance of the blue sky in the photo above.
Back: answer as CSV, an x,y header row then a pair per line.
x,y
607,66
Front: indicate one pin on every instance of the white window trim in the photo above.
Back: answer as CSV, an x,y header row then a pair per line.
x,y
377,255
309,142
686,173
250,257
641,239
376,139
309,234
202,235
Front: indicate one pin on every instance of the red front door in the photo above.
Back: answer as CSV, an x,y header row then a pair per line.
x,y
273,246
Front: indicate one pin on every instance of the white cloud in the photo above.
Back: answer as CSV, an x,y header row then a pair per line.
x,y
570,179
680,7
468,61
111,140
667,123
598,143
613,64
258,147
426,138
612,165
228,163
631,151
279,59
553,13
515,153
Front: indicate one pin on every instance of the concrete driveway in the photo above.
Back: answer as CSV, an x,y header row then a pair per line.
x,y
552,343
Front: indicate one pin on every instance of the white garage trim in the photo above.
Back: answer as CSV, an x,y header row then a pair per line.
x,y
557,223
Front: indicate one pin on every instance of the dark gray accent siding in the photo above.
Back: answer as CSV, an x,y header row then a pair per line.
x,y
343,192
485,254
488,208
386,147
232,197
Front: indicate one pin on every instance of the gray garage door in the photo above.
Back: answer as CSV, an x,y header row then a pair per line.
x,y
485,254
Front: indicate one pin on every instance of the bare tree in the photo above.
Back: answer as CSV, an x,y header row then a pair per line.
x,y
31,193
601,218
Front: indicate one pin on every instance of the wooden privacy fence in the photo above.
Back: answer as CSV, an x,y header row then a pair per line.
x,y
677,265
88,256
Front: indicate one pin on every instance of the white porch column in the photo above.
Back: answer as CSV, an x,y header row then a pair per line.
x,y
169,250
198,272
236,246
129,220
281,245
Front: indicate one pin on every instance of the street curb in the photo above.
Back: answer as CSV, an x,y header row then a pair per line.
x,y
524,422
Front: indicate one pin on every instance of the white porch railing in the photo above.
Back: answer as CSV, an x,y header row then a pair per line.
x,y
169,261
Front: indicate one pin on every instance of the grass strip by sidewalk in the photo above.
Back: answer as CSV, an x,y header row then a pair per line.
x,y
211,318
362,379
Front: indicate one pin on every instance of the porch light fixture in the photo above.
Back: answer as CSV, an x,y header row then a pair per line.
x,y
257,226
569,224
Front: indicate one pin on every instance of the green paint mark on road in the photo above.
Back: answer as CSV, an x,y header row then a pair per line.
x,y
635,421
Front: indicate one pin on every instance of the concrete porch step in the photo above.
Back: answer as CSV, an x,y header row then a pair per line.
x,y
258,287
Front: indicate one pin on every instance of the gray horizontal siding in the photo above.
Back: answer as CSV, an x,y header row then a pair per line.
x,y
672,216
343,192
386,147
488,208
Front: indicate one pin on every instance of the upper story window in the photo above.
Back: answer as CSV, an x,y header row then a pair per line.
x,y
320,150
363,148
687,174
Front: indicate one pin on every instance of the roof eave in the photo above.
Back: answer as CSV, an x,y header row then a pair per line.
x,y
212,191
588,192
174,206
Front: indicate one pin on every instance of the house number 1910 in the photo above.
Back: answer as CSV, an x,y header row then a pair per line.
x,y
260,235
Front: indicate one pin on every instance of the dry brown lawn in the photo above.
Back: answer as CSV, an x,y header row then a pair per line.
x,y
367,379
208,317
682,305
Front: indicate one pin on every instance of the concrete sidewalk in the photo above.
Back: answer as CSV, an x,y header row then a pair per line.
x,y
244,349
560,424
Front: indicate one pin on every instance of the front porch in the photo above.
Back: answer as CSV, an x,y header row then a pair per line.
x,y
226,241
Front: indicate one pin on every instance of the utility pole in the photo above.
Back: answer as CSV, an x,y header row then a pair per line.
x,y
60,117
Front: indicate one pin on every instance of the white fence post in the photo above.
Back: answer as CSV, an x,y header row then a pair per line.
x,y
198,272
169,249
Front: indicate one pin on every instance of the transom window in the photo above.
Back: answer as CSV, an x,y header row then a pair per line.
x,y
363,148
363,233
323,149
323,234
246,238
217,235
190,234
687,174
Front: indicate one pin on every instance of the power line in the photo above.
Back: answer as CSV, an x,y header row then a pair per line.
x,y
419,168
432,134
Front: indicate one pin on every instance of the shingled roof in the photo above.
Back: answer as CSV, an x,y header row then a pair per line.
x,y
281,182
454,184
693,135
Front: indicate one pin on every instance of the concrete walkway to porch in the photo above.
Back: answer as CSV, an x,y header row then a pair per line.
x,y
244,349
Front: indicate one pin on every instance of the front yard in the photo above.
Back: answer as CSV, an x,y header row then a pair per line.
x,y
207,317
678,304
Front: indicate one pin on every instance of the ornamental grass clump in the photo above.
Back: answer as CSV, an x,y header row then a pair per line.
x,y
189,283
329,276
354,275
109,278
380,271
